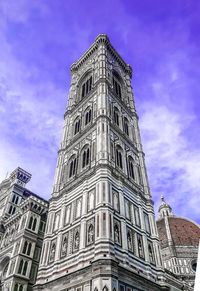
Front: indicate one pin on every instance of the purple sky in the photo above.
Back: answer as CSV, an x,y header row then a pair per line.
x,y
39,40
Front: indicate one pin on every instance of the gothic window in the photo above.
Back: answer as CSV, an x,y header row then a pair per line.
x,y
140,246
131,168
18,287
117,87
25,268
27,248
86,87
88,115
85,157
32,223
22,267
72,166
116,116
139,174
119,152
105,288
77,125
116,200
151,253
126,126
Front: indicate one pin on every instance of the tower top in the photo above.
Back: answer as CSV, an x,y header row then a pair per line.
x,y
101,39
164,209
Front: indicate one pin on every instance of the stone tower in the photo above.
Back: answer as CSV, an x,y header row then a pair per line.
x,y
101,232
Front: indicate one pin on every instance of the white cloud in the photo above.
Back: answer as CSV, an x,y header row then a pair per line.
x,y
172,162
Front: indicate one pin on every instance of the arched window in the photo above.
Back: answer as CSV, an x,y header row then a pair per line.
x,y
34,224
117,86
151,255
21,288
25,247
116,116
25,268
29,249
16,287
119,157
86,86
85,157
88,115
20,266
77,125
30,223
126,126
131,168
72,166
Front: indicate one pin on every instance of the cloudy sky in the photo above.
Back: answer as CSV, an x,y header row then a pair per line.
x,y
39,40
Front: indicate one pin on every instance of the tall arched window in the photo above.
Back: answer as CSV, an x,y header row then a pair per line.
x,y
25,247
151,254
25,268
20,266
131,168
86,86
34,224
29,249
77,125
88,115
30,223
85,157
117,86
72,166
119,157
116,115
126,126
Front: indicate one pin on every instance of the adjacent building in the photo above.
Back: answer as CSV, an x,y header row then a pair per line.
x,y
179,239
22,224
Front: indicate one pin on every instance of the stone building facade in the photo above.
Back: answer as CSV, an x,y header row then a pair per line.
x,y
22,224
179,239
101,232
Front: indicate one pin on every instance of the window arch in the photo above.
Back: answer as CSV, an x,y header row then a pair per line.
x,y
88,116
86,86
126,126
30,223
77,125
119,152
25,247
116,84
72,166
116,116
131,170
85,157
25,268
34,224
20,266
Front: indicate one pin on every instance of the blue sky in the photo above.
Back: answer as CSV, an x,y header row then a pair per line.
x,y
39,41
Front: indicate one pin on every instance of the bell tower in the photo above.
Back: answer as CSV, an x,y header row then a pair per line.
x,y
101,232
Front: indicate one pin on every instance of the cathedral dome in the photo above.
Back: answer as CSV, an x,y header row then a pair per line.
x,y
183,231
